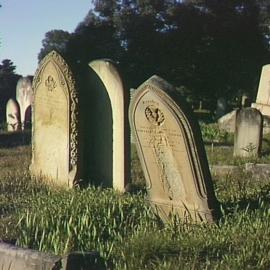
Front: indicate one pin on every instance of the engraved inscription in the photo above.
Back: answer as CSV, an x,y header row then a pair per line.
x,y
50,83
168,171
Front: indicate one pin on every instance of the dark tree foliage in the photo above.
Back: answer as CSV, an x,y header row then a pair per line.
x,y
8,82
212,48
54,40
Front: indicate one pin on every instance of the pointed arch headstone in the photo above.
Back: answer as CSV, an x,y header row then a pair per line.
x,y
172,155
55,122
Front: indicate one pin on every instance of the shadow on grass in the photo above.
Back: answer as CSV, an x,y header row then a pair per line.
x,y
248,202
14,139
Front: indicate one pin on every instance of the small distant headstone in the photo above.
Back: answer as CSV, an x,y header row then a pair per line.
x,y
106,127
227,121
248,132
263,96
245,101
221,107
171,151
13,115
24,94
55,122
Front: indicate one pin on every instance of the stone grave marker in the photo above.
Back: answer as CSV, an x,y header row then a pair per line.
x,y
172,155
24,95
106,127
245,101
248,132
221,107
263,95
55,122
13,115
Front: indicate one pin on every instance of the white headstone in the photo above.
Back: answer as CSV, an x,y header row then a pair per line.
x,y
24,95
263,96
13,115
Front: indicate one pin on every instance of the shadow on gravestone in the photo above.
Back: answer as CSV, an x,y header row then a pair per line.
x,y
55,141
97,133
172,154
106,142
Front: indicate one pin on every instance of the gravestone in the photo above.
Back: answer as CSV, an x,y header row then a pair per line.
x,y
13,115
24,95
248,132
227,121
107,129
221,107
245,101
55,122
263,96
172,155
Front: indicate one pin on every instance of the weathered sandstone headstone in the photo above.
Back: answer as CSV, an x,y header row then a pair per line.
x,y
172,155
55,122
263,95
248,132
13,115
24,95
107,129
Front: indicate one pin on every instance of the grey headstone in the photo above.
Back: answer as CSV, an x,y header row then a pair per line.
x,y
248,132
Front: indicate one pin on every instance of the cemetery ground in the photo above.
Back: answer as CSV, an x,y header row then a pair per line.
x,y
123,228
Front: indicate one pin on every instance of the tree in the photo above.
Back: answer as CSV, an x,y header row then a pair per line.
x,y
8,82
54,40
212,48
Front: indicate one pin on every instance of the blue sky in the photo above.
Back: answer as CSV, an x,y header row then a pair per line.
x,y
23,24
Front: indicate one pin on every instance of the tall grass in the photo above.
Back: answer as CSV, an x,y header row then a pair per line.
x,y
123,228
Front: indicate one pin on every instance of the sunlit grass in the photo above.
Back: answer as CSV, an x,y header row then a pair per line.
x,y
123,228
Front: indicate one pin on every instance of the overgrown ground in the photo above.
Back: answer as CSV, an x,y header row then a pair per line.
x,y
123,228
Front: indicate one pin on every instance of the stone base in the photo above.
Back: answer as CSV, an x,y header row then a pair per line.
x,y
263,108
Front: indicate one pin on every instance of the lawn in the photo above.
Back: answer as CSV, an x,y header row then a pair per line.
x,y
123,228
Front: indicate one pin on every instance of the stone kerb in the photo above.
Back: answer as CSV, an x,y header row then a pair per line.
x,y
110,135
55,122
171,153
248,132
263,96
16,258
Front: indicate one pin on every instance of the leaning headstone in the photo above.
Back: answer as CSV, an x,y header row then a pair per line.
x,y
55,122
172,155
106,121
13,115
263,95
248,132
24,95
227,122
221,107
